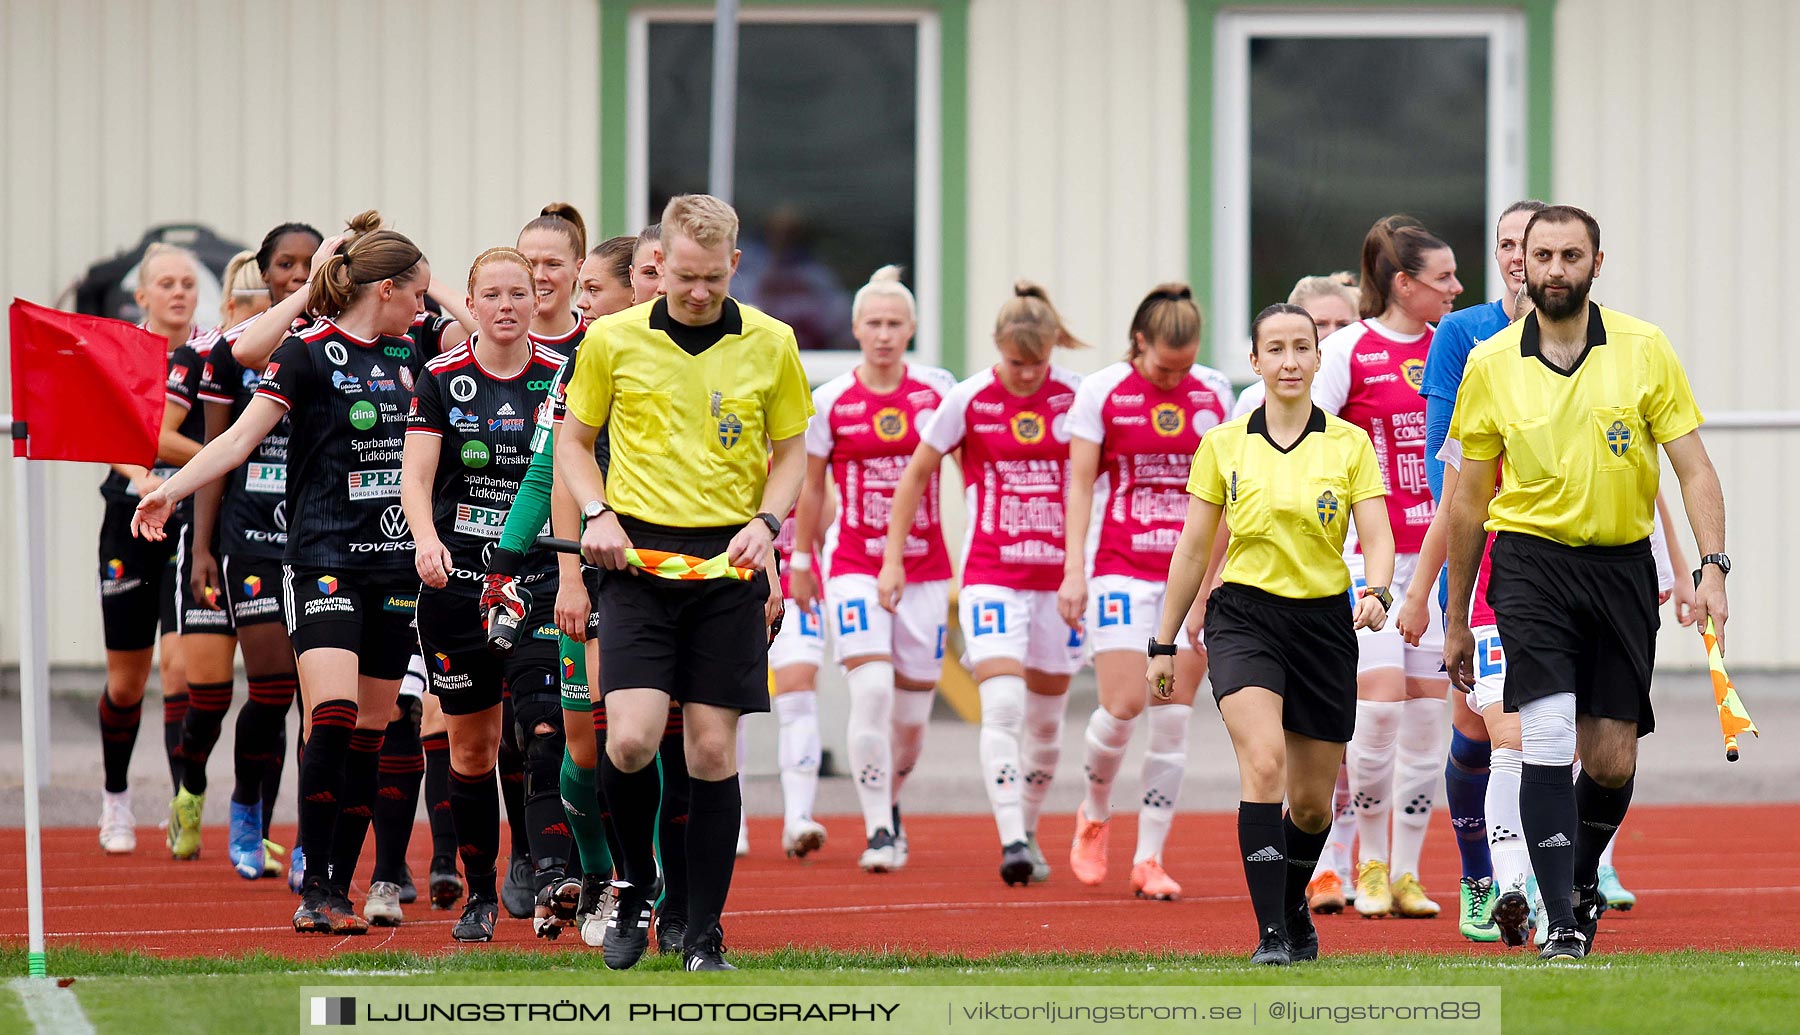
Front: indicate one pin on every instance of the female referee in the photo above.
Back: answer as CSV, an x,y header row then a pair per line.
x,y
1136,423
1011,423
349,588
1280,629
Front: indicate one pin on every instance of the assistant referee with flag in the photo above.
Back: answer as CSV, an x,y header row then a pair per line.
x,y
707,403
1571,403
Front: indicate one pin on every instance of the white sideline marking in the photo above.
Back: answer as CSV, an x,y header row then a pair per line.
x,y
52,1010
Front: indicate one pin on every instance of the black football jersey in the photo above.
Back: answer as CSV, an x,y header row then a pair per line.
x,y
253,515
486,425
347,400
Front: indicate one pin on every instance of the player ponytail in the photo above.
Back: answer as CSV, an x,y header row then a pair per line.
x,y
884,283
1168,315
1394,245
1030,324
370,256
561,217
242,283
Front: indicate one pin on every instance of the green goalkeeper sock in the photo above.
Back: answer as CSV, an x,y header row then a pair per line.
x,y
578,793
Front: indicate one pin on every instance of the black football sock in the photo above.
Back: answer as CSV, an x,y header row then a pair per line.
x,y
1547,812
1264,848
175,708
632,798
118,735
1303,857
261,722
712,829
1601,810
475,803
398,773
199,733
322,783
673,818
437,795
361,762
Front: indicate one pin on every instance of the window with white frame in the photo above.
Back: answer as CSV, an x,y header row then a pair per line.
x,y
1325,121
837,167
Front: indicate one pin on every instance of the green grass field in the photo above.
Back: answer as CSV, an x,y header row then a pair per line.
x,y
1625,992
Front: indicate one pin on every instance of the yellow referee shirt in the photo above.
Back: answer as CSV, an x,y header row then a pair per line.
x,y
1289,509
1578,449
689,433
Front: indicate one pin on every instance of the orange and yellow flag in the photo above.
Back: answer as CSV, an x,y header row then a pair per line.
x,y
1733,717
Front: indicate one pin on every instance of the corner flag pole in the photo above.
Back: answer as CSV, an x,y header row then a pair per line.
x,y
34,678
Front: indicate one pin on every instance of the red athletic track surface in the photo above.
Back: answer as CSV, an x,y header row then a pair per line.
x,y
1707,877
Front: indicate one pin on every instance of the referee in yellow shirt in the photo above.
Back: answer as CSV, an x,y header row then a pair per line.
x,y
1571,403
707,402
1281,629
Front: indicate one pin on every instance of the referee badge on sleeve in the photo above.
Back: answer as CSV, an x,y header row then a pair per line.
x,y
1327,507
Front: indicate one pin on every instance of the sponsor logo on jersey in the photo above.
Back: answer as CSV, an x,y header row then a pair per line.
x,y
890,424
479,521
1414,369
730,430
1027,427
335,351
281,515
346,383
383,483
252,587
115,569
406,378
385,384
177,375
568,667
269,371
1327,508
853,617
462,388
990,618
442,661
1372,357
1115,609
475,454
393,522
505,410
988,409
547,632
401,604
396,352
363,416
1618,438
265,478
539,386
462,420
1168,419
328,584
506,424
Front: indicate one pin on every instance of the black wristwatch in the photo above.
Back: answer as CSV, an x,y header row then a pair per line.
x,y
773,522
1161,648
1719,559
1381,593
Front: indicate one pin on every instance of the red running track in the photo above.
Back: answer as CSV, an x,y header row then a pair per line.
x,y
1707,877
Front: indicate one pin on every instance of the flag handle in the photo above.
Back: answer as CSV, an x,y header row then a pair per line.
x,y
34,686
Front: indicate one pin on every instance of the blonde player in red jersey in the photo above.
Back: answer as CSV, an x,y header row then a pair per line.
x,y
1012,424
1136,424
865,426
1369,374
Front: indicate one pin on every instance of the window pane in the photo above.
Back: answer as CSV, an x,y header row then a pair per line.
x,y
826,162
1345,131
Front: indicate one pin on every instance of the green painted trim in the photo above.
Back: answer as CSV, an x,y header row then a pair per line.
x,y
953,100
1540,36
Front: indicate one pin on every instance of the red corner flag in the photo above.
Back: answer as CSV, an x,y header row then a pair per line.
x,y
85,387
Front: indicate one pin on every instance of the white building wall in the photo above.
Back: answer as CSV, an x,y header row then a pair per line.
x,y
1678,126
121,115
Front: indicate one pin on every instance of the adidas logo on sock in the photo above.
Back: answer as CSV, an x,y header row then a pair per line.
x,y
1270,854
1556,840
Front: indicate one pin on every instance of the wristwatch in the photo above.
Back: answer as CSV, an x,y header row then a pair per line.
x,y
1381,593
772,521
1719,559
595,508
1161,648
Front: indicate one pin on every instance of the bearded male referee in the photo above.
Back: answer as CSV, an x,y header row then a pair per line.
x,y
707,403
1571,402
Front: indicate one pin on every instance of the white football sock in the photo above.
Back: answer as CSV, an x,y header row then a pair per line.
x,y
1419,765
871,750
1165,764
1371,759
1040,750
1107,738
1002,720
912,713
797,746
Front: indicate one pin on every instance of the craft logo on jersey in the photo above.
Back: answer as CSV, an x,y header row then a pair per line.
x,y
363,416
730,430
890,424
1618,438
1414,370
1327,507
393,523
1028,427
328,584
1168,420
252,587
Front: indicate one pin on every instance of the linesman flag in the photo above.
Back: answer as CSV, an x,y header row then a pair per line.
x,y
85,388
1734,718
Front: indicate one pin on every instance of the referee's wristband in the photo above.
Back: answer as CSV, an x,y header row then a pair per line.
x,y
800,562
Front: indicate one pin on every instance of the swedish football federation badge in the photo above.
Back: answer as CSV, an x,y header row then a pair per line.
x,y
1327,507
1618,438
730,430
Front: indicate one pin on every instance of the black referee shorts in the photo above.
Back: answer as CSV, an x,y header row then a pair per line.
x,y
1304,650
701,642
137,580
1580,620
462,673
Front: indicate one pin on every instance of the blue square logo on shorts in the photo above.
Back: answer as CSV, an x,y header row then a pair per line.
x,y
853,617
943,635
810,625
990,617
1115,609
